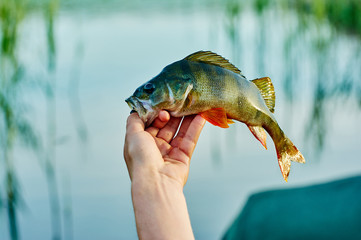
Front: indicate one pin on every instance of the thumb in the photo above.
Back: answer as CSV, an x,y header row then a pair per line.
x,y
134,124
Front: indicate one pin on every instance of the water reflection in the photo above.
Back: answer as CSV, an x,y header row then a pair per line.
x,y
50,10
13,125
312,37
313,40
231,26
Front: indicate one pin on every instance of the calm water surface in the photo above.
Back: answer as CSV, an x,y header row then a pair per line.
x,y
79,65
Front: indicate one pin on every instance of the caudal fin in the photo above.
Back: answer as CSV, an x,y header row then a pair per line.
x,y
287,152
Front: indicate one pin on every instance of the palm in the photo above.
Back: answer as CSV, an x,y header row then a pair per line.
x,y
177,150
162,148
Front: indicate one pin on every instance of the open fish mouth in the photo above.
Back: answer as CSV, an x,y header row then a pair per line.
x,y
143,108
135,105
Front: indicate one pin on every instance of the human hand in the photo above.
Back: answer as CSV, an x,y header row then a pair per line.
x,y
158,165
156,151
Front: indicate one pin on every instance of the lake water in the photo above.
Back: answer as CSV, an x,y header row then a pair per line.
x,y
78,65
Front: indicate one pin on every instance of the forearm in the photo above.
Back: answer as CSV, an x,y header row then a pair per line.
x,y
160,208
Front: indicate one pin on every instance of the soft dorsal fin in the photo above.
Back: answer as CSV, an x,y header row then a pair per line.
x,y
267,90
214,59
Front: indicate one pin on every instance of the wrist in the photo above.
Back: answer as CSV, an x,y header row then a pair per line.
x,y
160,208
151,182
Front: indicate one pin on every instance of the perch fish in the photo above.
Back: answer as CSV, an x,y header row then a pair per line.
x,y
207,84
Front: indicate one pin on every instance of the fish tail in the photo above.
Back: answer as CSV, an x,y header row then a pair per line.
x,y
287,152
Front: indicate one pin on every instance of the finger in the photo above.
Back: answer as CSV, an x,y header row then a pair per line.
x,y
134,123
159,122
167,133
185,125
182,130
163,146
187,139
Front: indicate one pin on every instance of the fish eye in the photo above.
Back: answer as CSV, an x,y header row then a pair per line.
x,y
149,88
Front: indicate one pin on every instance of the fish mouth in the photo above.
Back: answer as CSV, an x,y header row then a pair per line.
x,y
143,108
135,105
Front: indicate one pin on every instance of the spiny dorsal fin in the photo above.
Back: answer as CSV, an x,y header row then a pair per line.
x,y
267,90
214,59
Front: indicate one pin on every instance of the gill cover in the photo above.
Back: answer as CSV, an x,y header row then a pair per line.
x,y
178,89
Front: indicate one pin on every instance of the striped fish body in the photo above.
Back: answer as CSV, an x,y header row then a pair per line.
x,y
207,84
215,87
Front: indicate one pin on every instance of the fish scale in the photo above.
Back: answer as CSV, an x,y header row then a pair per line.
x,y
207,84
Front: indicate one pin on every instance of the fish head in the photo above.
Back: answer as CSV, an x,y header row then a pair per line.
x,y
144,101
164,92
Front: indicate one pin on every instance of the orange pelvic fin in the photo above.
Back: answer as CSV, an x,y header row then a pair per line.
x,y
259,133
217,116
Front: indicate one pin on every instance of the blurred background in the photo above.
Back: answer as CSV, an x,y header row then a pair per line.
x,y
66,67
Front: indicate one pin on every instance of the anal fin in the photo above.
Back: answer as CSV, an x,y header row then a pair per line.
x,y
217,117
259,133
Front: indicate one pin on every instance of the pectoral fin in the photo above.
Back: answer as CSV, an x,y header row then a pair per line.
x,y
259,133
217,116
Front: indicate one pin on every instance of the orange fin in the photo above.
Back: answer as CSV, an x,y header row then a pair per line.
x,y
217,116
229,121
259,133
